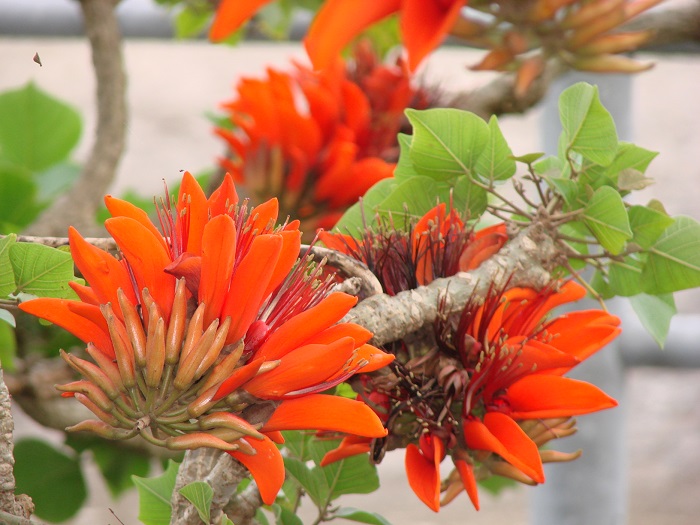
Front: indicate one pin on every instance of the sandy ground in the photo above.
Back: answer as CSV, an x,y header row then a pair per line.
x,y
171,87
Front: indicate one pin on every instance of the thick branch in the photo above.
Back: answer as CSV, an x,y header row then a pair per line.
x,y
77,207
15,509
527,260
672,25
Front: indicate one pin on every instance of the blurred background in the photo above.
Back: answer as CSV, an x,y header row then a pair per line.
x,y
173,85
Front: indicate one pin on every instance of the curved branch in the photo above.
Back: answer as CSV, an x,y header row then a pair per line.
x,y
78,206
526,260
353,270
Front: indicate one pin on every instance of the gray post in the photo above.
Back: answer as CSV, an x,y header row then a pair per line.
x,y
593,489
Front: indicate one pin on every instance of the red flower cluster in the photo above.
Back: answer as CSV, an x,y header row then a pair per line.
x,y
211,333
318,140
489,392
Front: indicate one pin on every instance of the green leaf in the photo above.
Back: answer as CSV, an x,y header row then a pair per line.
x,y
310,478
624,276
360,516
191,21
528,158
52,479
42,271
632,180
8,343
673,262
495,162
225,520
8,318
567,188
56,180
446,142
588,127
155,494
630,156
404,167
200,494
655,312
353,475
298,443
647,224
284,516
352,221
36,129
7,275
606,217
18,203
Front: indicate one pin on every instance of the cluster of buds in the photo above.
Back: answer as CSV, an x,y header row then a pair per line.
x,y
522,36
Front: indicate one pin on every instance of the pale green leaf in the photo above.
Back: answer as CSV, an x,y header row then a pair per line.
x,y
446,142
673,262
630,179
655,312
155,494
284,516
495,160
8,342
200,494
647,224
192,20
8,318
360,516
311,480
353,475
404,167
588,127
528,158
606,217
36,129
7,275
630,156
624,276
42,271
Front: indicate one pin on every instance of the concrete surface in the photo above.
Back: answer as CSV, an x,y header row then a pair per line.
x,y
172,85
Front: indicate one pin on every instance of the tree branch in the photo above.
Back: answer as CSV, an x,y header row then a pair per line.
x,y
77,206
14,509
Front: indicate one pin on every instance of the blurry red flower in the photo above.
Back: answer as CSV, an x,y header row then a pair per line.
x,y
318,140
424,24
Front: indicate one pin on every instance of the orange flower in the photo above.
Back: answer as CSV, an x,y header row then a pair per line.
x,y
490,393
424,24
318,140
211,333
439,244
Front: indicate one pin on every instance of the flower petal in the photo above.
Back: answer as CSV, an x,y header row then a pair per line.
x,y
424,25
302,368
230,16
192,214
85,321
500,434
338,22
122,208
224,197
325,412
240,376
466,472
218,257
545,396
291,244
266,466
306,324
147,259
249,283
348,447
424,473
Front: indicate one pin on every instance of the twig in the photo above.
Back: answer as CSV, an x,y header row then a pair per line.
x,y
349,268
78,205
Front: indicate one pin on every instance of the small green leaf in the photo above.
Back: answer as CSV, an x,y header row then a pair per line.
x,y
588,127
284,516
567,188
528,158
52,479
630,156
225,520
18,202
446,142
7,275
630,179
200,494
8,318
353,475
360,516
41,270
298,443
647,224
352,221
606,217
155,494
495,161
36,129
8,342
673,262
655,312
191,21
311,480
